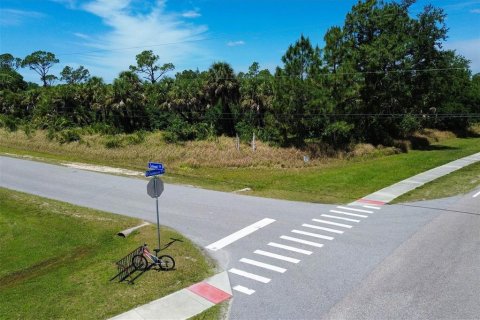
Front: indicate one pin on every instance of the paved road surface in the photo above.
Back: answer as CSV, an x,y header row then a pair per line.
x,y
395,262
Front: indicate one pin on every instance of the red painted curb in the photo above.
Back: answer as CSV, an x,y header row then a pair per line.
x,y
209,292
380,203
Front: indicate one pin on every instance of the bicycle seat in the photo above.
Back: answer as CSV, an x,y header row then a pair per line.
x,y
156,250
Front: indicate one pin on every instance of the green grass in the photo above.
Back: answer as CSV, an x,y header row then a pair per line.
x,y
329,180
342,181
215,312
56,260
457,182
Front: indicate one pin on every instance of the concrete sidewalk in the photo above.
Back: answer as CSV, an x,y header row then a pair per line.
x,y
185,303
387,194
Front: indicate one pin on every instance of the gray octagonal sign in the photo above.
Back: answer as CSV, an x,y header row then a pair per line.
x,y
155,187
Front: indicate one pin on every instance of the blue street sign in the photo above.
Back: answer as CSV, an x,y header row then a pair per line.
x,y
154,172
155,165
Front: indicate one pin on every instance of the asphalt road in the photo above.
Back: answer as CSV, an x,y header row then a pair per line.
x,y
394,262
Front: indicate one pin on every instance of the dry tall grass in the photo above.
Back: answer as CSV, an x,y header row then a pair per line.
x,y
194,154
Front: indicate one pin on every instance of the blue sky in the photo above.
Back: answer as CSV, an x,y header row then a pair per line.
x,y
105,35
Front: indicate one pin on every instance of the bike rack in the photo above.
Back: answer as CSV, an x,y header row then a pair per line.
x,y
126,268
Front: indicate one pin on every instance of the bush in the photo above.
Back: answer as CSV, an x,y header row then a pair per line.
x,y
136,138
10,123
67,136
181,130
409,125
29,130
114,142
245,130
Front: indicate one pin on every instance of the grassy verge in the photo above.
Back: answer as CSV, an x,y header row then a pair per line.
x,y
458,182
269,172
215,312
56,260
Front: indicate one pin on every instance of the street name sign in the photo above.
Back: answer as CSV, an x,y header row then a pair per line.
x,y
155,165
154,172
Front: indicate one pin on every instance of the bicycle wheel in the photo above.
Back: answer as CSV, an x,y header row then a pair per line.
x,y
139,262
166,262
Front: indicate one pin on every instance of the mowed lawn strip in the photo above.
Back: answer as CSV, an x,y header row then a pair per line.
x,y
326,181
457,182
56,260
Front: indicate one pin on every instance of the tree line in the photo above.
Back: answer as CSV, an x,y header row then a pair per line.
x,y
379,77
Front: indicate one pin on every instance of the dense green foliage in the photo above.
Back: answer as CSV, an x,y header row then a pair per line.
x,y
379,77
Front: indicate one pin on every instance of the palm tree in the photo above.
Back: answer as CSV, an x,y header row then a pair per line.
x,y
224,91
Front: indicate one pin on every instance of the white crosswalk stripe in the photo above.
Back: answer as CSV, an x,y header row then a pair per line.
x,y
353,209
249,275
322,228
310,243
263,265
372,207
339,218
243,289
349,214
333,223
282,246
276,256
315,235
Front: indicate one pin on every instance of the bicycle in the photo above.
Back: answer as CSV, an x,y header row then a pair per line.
x,y
147,260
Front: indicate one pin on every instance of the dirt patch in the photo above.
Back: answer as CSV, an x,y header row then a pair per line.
x,y
104,169
43,267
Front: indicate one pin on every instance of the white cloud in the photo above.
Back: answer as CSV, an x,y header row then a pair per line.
x,y
71,4
235,43
191,14
134,29
14,17
475,11
81,35
470,49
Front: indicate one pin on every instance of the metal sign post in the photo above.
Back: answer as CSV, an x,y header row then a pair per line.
x,y
155,188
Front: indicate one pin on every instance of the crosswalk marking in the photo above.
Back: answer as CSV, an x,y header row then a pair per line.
x,y
339,218
249,275
310,243
333,223
239,234
349,214
322,228
315,235
353,209
263,265
243,289
276,256
371,207
282,246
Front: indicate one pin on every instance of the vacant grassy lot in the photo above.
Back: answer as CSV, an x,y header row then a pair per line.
x,y
56,261
458,182
269,171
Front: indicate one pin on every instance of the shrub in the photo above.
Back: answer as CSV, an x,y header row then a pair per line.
x,y
136,138
10,123
245,130
67,136
114,142
409,125
29,130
